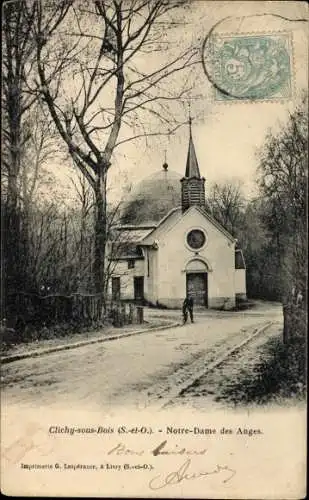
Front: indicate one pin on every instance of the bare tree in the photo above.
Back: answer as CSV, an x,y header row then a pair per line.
x,y
19,87
227,204
18,49
283,182
283,177
55,245
82,220
19,96
283,173
109,89
41,148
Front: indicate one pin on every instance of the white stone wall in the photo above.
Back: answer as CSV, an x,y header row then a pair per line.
x,y
240,283
127,277
173,256
150,281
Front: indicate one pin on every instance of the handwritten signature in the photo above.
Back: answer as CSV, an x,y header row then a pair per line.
x,y
184,474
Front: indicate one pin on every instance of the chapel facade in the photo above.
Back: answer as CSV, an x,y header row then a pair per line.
x,y
168,245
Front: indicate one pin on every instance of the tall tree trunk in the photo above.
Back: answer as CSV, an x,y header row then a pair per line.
x,y
12,243
100,229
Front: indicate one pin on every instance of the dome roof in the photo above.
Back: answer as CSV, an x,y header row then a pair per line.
x,y
153,198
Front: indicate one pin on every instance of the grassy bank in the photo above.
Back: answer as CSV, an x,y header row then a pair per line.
x,y
280,373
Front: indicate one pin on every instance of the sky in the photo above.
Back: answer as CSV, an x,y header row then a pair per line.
x,y
227,135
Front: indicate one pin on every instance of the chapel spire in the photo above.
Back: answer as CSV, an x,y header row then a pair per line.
x,y
192,168
192,185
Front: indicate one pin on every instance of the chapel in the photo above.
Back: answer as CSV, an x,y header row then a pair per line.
x,y
168,245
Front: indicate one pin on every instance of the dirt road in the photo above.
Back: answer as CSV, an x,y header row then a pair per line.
x,y
132,371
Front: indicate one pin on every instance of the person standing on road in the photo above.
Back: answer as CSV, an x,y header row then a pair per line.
x,y
187,307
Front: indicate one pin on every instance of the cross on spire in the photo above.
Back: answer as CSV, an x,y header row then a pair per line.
x,y
190,118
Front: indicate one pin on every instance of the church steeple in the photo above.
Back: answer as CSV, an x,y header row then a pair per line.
x,y
192,168
192,185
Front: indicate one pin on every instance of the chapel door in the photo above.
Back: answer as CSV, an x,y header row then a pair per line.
x,y
197,288
139,288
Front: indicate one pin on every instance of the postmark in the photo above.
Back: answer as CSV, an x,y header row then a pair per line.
x,y
252,67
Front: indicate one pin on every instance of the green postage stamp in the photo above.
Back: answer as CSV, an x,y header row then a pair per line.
x,y
252,67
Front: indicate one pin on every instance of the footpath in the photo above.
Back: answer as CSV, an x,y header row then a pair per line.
x,y
75,340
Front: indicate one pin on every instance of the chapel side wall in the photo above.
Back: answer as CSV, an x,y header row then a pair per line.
x,y
240,284
151,264
174,256
221,280
171,282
